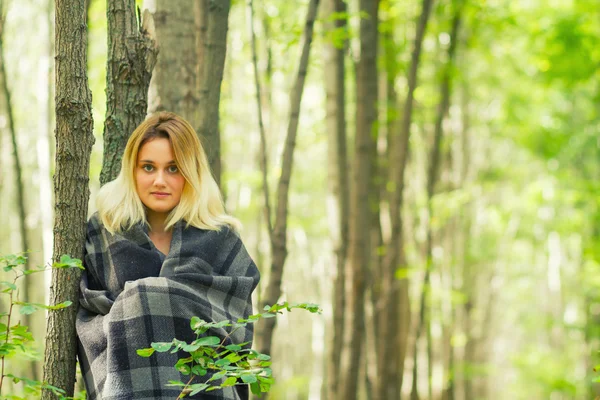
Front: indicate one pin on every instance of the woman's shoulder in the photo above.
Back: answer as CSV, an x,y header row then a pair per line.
x,y
221,232
94,222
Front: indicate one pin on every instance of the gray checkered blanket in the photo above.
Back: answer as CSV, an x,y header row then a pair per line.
x,y
133,295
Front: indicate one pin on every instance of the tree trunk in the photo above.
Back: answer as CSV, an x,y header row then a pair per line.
x,y
261,126
131,58
334,72
190,36
74,140
213,55
265,329
173,83
432,178
395,291
360,215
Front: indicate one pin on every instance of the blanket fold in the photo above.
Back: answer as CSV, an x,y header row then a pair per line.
x,y
133,295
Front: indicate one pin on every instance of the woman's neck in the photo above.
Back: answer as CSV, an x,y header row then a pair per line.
x,y
156,222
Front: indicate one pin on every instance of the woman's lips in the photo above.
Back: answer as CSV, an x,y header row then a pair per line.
x,y
160,195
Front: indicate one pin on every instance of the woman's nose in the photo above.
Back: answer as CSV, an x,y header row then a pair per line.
x,y
160,179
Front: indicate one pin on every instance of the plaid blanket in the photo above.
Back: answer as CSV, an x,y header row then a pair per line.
x,y
133,295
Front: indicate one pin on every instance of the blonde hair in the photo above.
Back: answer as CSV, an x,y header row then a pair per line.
x,y
201,204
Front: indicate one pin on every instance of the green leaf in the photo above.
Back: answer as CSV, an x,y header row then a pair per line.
x,y
67,262
222,362
229,381
10,285
162,347
233,347
190,347
28,309
264,357
217,376
198,370
196,323
184,369
207,341
221,324
145,352
58,306
255,388
249,378
198,387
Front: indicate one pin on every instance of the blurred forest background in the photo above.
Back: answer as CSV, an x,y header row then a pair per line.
x,y
444,197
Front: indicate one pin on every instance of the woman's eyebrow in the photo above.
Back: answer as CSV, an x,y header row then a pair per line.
x,y
152,162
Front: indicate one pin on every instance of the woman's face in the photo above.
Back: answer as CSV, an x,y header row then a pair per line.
x,y
159,183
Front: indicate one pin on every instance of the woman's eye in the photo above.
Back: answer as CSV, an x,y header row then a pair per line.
x,y
173,169
147,167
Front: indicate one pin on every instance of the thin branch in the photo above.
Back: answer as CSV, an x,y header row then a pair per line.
x,y
263,138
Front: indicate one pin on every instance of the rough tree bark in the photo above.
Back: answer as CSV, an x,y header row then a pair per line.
x,y
334,74
131,58
265,329
74,140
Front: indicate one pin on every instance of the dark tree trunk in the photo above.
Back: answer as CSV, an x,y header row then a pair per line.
x,y
74,140
213,55
360,214
191,36
338,183
131,58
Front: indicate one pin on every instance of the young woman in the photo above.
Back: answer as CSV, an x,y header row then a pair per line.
x,y
160,250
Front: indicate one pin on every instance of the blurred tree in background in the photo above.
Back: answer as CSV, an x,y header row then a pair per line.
x,y
444,208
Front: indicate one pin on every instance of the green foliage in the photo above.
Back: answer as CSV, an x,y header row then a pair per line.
x,y
232,364
16,340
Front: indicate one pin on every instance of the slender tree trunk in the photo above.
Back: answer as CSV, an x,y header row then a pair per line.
x,y
432,178
261,126
131,58
396,290
74,140
6,93
369,52
265,329
392,334
338,183
213,55
360,215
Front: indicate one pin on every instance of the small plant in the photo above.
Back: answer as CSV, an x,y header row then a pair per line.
x,y
228,364
16,339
